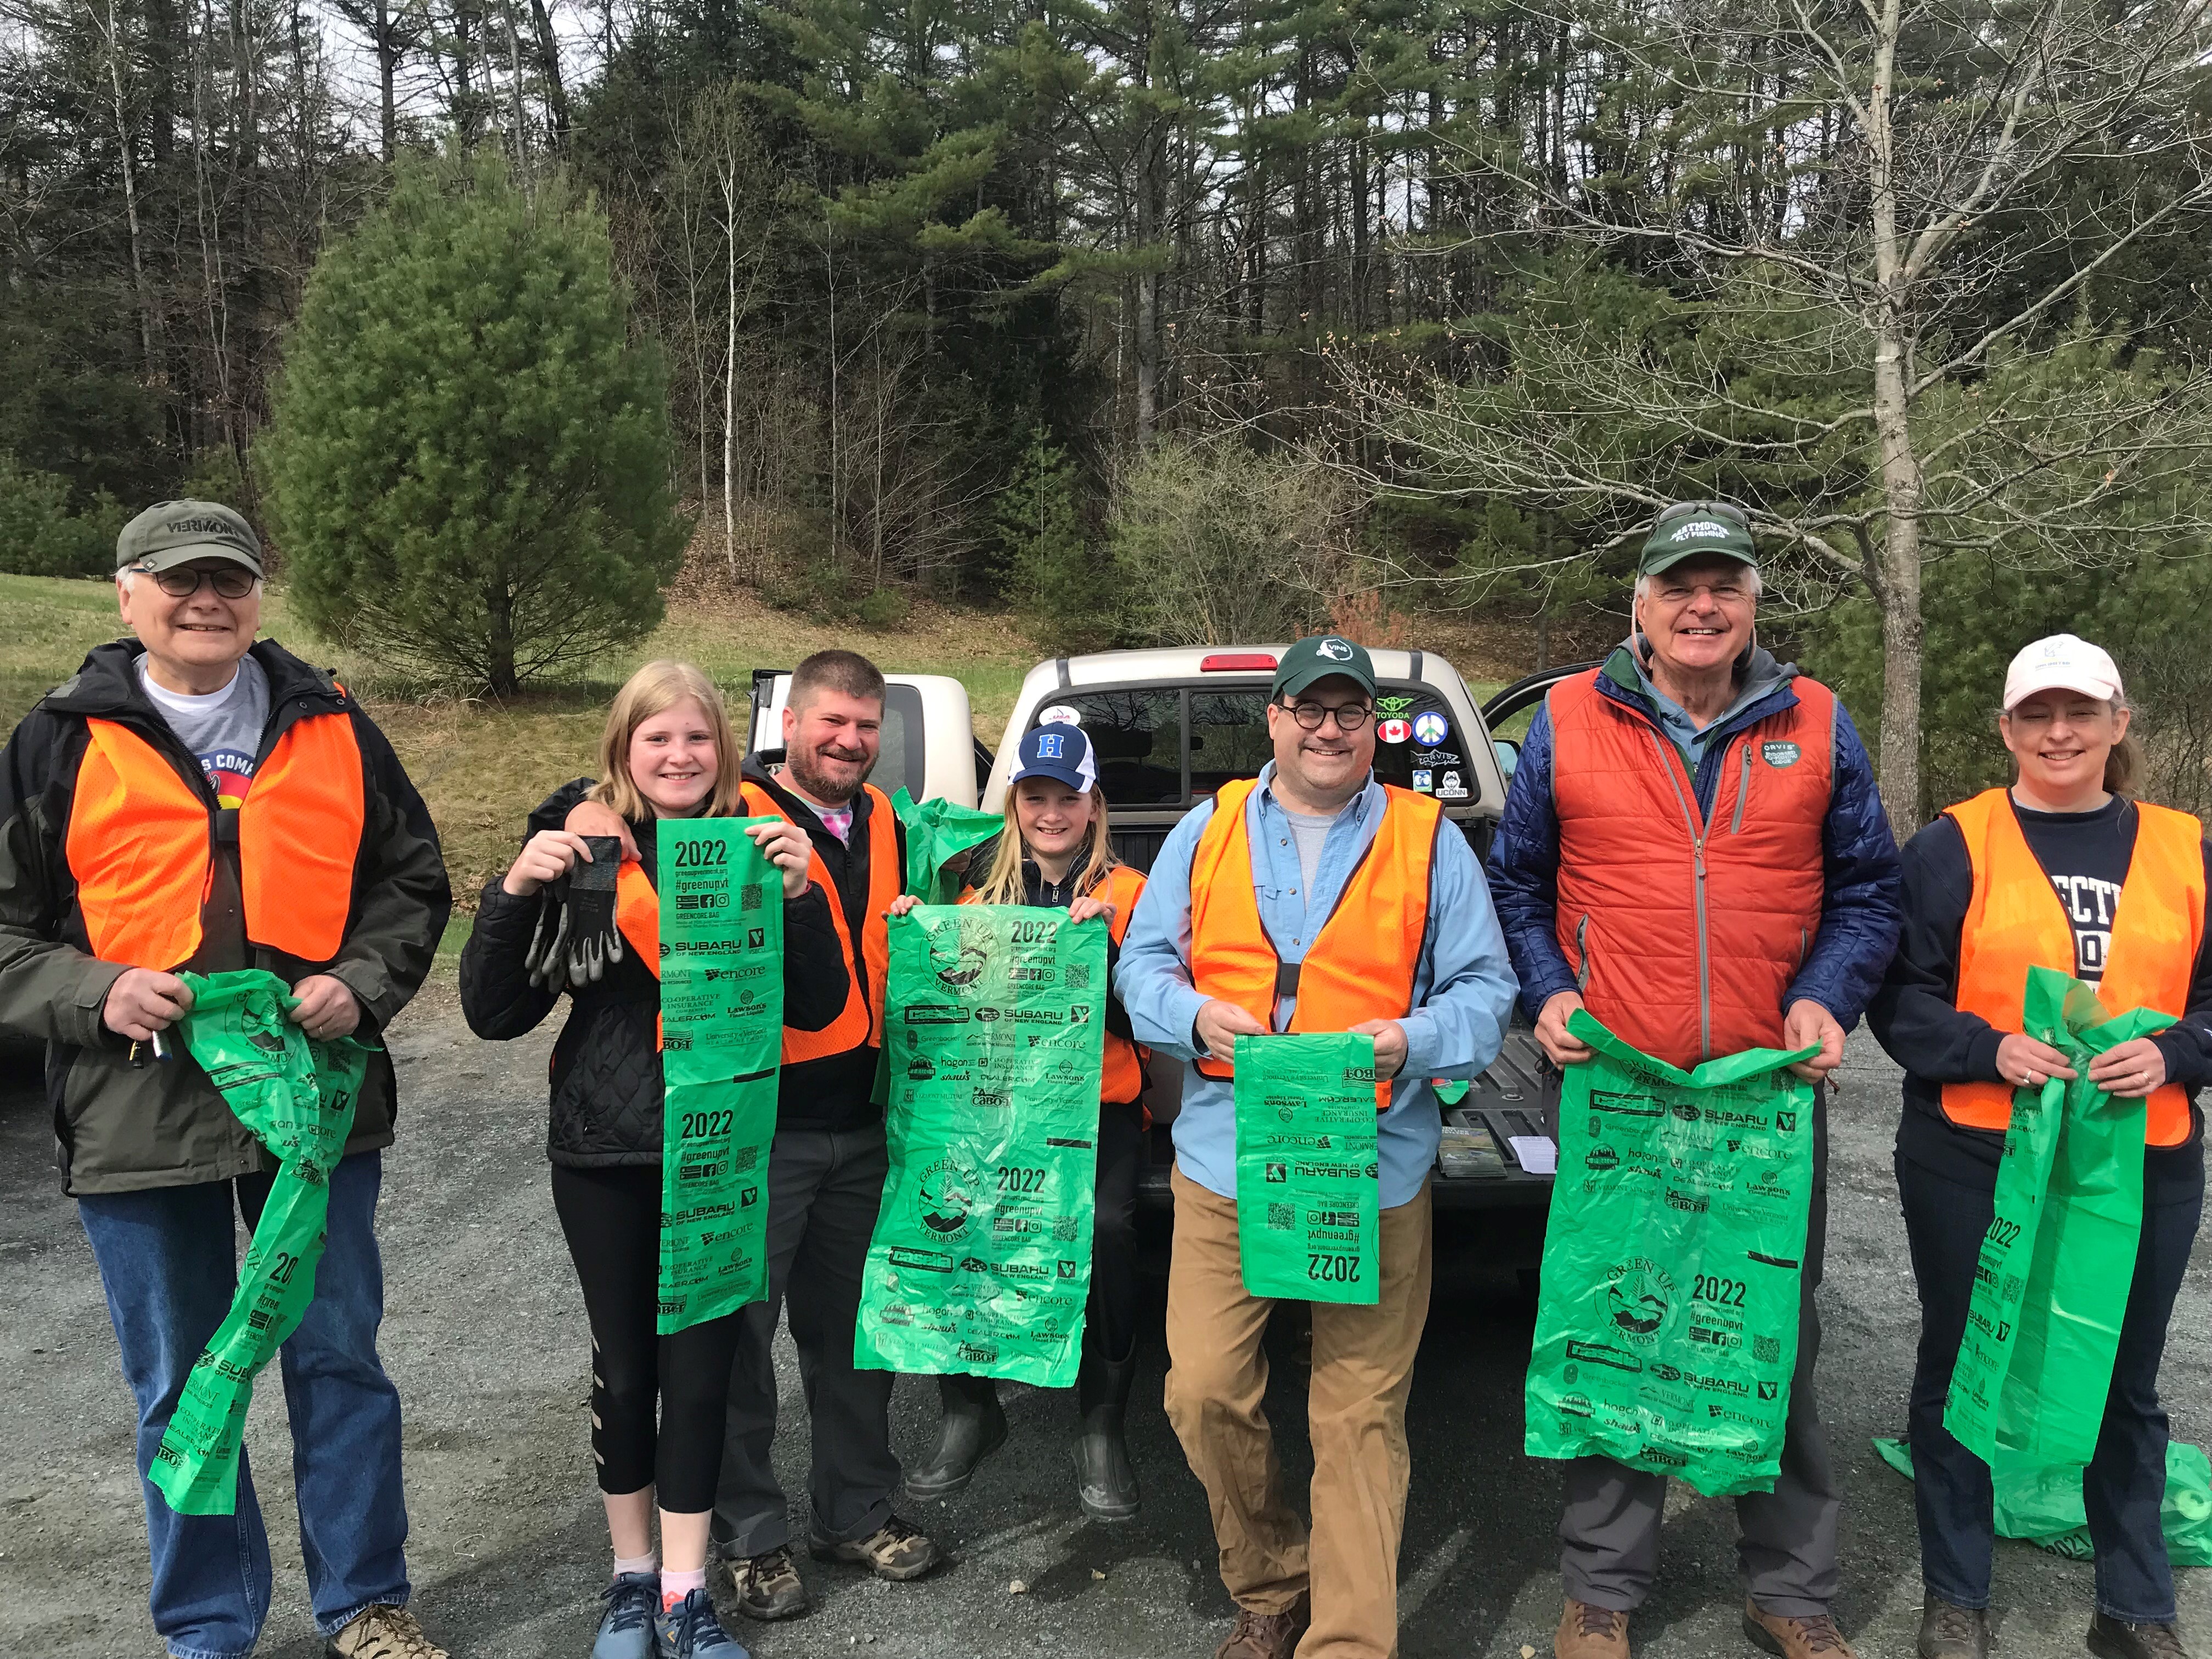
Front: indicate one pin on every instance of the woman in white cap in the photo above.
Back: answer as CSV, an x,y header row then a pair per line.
x,y
2065,871
1055,852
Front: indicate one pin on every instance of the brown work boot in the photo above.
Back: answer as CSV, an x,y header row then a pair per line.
x,y
1266,1635
895,1551
767,1586
1590,1633
383,1632
1950,1632
1792,1638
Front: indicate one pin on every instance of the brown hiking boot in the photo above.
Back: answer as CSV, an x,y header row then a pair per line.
x,y
2116,1638
383,1632
1950,1632
1266,1635
767,1586
1590,1633
893,1551
1790,1637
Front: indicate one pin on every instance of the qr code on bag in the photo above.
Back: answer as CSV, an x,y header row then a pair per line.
x,y
1077,975
1766,1350
752,901
1282,1217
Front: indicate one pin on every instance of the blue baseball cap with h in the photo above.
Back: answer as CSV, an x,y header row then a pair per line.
x,y
1062,753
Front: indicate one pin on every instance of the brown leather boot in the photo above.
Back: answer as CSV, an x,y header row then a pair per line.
x,y
1590,1633
1791,1637
1266,1635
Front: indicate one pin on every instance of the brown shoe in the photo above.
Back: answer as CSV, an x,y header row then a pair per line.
x,y
1589,1632
895,1551
1266,1635
383,1632
1790,1637
767,1586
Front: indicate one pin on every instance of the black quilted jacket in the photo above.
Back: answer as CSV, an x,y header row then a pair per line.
x,y
606,1065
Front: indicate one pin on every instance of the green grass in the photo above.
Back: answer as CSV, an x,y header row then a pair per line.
x,y
480,764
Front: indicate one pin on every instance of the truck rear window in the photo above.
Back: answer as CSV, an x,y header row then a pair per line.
x,y
1168,746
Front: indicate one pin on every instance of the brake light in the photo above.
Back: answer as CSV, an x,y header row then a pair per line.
x,y
1232,662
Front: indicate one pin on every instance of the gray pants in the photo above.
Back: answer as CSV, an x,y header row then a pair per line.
x,y
823,1192
1610,1532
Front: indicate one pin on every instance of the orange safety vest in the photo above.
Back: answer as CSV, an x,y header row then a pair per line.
x,y
1684,933
2015,922
1361,963
140,845
861,1019
1121,1072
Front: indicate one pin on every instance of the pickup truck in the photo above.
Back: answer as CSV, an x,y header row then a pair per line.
x,y
1170,727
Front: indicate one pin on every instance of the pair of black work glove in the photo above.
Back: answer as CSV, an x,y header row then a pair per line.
x,y
576,936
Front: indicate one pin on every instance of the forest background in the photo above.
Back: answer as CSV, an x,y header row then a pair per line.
x,y
1140,321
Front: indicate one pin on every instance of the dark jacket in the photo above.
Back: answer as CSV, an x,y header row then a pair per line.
x,y
1859,909
607,1088
117,1128
837,1091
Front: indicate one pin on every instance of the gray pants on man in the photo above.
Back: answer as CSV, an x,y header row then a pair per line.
x,y
1610,1532
824,1191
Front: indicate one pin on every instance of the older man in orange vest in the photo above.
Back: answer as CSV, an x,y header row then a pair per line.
x,y
195,799
1313,899
1694,849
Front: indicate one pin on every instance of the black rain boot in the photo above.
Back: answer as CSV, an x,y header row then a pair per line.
x,y
1105,1481
974,1427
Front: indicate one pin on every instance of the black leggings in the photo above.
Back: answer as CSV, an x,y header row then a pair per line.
x,y
1109,1328
612,1221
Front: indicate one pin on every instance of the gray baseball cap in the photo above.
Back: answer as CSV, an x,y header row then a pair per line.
x,y
172,533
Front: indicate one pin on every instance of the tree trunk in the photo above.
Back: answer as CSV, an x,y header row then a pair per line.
x,y
126,155
387,73
548,65
499,642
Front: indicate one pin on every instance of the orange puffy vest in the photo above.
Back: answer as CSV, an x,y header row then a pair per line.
x,y
1684,934
140,845
1121,1074
2015,922
1361,963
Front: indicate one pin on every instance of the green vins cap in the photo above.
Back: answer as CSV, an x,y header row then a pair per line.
x,y
1689,528
1317,659
172,533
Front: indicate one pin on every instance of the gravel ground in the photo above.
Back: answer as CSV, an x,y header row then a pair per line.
x,y
484,1335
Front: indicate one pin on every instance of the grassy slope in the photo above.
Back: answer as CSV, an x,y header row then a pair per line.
x,y
482,765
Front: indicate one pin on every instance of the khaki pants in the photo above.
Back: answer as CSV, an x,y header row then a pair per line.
x,y
1362,1369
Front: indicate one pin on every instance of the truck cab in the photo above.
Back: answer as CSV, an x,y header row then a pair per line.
x,y
1169,727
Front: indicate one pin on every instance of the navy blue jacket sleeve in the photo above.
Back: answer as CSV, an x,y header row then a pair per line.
x,y
1524,873
1860,914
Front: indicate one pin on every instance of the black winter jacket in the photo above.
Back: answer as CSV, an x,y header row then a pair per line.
x,y
606,1081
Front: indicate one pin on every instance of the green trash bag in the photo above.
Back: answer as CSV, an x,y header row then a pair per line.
x,y
937,832
1308,1188
721,1022
2052,1283
1667,1330
2042,1504
980,1260
297,1097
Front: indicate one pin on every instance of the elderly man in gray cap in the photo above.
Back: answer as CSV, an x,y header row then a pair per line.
x,y
195,799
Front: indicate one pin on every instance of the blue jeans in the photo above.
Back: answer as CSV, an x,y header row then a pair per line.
x,y
2125,1481
167,1259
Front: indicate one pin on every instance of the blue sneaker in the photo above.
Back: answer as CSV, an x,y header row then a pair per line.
x,y
626,1627
690,1630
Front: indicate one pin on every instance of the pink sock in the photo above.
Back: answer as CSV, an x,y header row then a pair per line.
x,y
674,1586
648,1562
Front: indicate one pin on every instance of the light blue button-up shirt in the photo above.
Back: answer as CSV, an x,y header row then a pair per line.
x,y
1463,985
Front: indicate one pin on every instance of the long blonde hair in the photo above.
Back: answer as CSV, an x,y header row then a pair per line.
x,y
1002,884
655,689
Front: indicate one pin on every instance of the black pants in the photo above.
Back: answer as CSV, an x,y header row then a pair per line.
x,y
2125,1482
823,1189
1110,1318
612,1221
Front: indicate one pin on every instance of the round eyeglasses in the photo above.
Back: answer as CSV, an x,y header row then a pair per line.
x,y
232,582
1350,716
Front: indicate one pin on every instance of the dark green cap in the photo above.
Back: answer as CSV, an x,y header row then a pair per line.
x,y
1317,659
172,533
1690,528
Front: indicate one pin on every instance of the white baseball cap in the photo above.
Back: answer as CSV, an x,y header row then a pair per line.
x,y
2062,662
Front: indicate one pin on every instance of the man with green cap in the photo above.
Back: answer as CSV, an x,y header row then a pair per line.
x,y
1313,898
193,798
1694,849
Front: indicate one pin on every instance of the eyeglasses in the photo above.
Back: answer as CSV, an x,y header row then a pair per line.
x,y
232,582
1350,717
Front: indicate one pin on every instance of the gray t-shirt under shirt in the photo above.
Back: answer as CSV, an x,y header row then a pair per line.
x,y
1311,834
222,729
